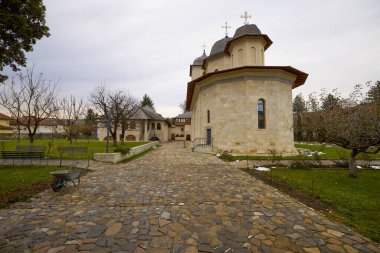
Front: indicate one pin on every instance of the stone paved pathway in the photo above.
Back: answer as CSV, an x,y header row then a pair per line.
x,y
171,200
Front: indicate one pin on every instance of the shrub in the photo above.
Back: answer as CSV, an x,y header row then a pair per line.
x,y
121,149
300,163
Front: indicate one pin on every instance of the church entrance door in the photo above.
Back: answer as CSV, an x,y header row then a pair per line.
x,y
208,141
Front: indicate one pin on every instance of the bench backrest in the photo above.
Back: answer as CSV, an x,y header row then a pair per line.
x,y
21,154
31,148
72,149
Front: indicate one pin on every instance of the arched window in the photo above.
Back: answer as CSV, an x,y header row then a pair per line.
x,y
261,113
240,57
262,57
133,125
208,116
158,126
153,126
253,54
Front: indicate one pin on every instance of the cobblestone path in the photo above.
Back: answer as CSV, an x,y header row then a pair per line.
x,y
171,200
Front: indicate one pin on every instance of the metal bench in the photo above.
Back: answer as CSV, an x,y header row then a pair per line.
x,y
71,150
23,155
31,148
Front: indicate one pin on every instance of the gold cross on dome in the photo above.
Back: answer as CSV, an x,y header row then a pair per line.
x,y
226,27
246,16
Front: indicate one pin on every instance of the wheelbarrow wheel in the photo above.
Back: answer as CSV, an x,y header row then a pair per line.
x,y
58,185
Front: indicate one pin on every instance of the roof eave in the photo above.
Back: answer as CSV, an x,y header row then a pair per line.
x,y
300,80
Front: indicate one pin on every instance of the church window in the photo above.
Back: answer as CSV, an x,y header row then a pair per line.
x,y
158,126
240,57
261,113
208,116
153,126
148,126
262,56
253,54
133,125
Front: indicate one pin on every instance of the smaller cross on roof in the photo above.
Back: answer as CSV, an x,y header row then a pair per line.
x,y
226,27
204,47
246,16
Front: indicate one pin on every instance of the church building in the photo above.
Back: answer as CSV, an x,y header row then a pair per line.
x,y
238,104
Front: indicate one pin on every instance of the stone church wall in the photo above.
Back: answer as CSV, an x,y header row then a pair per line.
x,y
234,119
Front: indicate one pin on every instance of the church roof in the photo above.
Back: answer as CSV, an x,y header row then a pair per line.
x,y
186,115
199,60
249,30
146,112
219,46
300,80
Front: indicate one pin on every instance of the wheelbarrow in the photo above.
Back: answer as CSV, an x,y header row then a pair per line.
x,y
64,176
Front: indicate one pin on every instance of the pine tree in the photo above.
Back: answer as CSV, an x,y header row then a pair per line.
x,y
147,101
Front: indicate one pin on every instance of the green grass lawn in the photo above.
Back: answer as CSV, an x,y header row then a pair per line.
x,y
356,201
94,146
21,182
330,153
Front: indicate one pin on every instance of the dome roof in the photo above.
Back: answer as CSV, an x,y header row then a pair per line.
x,y
219,46
248,29
199,60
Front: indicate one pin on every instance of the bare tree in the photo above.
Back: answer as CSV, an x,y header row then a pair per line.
x,y
183,106
30,101
115,106
355,128
68,113
131,106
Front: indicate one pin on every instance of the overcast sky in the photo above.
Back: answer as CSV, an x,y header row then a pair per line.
x,y
147,46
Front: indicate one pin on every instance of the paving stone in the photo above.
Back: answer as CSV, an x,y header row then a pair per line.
x,y
113,229
171,200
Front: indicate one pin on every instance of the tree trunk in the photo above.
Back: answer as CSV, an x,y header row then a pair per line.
x,y
122,135
352,165
114,138
31,138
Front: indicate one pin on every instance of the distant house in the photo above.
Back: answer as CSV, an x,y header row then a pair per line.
x,y
144,125
181,127
46,126
5,127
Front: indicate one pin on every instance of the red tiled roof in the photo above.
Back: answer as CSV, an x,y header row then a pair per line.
x,y
3,116
5,128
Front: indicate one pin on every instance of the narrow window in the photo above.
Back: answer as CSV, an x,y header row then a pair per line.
x,y
262,57
158,126
153,126
253,54
208,116
240,57
261,113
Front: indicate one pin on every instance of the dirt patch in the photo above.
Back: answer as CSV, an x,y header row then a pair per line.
x,y
24,194
309,200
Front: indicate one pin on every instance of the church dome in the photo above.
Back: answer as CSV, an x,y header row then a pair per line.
x,y
199,60
219,46
248,29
